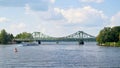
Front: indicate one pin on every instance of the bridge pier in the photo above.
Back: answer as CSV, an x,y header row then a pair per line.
x,y
57,42
39,42
81,42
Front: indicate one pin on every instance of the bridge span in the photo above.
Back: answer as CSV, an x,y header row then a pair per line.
x,y
79,36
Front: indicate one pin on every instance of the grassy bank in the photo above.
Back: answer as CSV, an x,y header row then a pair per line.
x,y
111,44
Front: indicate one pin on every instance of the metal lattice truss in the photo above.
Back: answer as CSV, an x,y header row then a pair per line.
x,y
80,34
75,36
41,36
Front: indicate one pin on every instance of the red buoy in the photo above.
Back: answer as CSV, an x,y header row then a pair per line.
x,y
15,50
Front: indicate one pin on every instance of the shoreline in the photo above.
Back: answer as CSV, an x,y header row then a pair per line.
x,y
110,44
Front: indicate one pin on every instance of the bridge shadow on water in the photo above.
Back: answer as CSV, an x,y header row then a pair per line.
x,y
61,43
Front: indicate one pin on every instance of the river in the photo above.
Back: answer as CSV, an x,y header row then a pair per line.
x,y
59,56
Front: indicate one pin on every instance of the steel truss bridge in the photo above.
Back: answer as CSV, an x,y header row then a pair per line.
x,y
77,36
80,35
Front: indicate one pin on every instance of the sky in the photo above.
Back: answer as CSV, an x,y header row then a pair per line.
x,y
58,18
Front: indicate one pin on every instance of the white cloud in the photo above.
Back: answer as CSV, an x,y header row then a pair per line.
x,y
50,14
17,28
36,5
52,1
27,9
115,20
71,15
85,15
61,22
96,1
3,19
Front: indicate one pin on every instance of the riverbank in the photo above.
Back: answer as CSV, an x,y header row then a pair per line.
x,y
111,44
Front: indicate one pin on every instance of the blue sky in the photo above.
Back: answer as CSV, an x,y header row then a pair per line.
x,y
58,17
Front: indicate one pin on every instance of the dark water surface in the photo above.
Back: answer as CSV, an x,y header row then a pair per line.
x,y
59,56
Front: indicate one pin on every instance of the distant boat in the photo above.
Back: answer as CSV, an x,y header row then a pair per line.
x,y
30,44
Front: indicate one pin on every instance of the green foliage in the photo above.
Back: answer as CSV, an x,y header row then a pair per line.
x,y
112,44
109,35
119,37
105,35
116,31
5,38
24,35
10,37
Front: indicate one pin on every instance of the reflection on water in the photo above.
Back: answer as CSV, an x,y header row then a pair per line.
x,y
59,56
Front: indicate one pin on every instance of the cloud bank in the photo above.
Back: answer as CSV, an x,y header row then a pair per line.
x,y
3,19
94,1
37,5
84,16
115,20
52,18
57,20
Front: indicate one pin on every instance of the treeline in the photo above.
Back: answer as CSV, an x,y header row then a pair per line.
x,y
109,36
7,38
24,35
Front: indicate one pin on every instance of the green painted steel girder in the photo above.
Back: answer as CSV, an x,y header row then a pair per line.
x,y
80,35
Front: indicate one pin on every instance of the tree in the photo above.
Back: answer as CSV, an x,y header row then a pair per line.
x,y
24,35
10,37
3,37
116,31
100,37
109,35
119,37
105,35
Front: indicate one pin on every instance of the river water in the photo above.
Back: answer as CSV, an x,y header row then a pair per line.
x,y
59,56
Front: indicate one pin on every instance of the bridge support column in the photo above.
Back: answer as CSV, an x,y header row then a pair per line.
x,y
39,42
81,42
57,42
